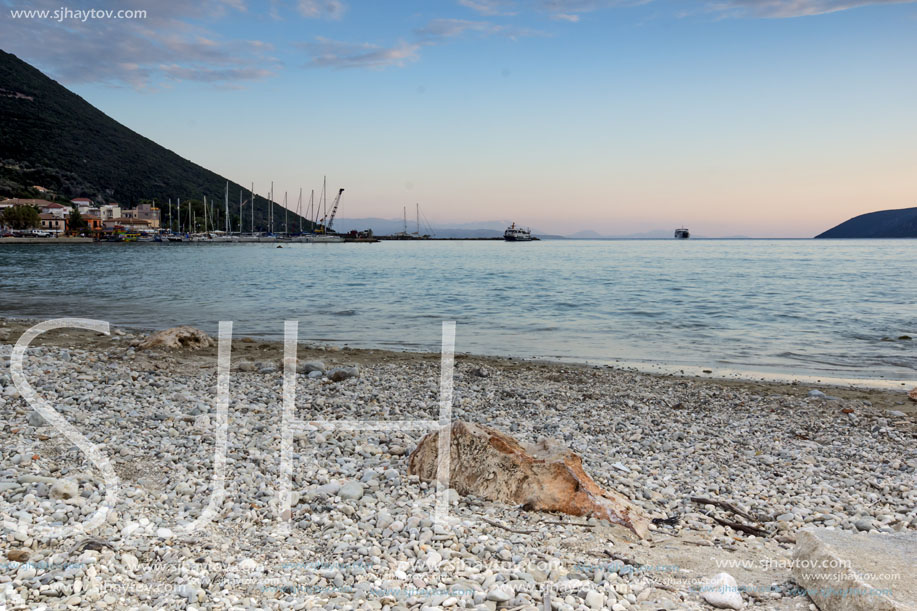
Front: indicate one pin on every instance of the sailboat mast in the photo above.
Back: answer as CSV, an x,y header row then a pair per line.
x,y
179,215
252,192
226,222
418,218
299,209
405,211
286,227
170,215
205,214
271,204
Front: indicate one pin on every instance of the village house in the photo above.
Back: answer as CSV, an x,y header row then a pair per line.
x,y
43,205
81,201
53,223
57,210
144,212
110,211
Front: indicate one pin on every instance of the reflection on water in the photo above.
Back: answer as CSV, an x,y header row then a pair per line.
x,y
832,308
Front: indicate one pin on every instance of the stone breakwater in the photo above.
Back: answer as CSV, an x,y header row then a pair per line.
x,y
362,534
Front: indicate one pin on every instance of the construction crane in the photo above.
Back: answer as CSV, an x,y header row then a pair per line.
x,y
334,211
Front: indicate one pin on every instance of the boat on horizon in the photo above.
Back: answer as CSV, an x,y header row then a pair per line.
x,y
682,233
517,234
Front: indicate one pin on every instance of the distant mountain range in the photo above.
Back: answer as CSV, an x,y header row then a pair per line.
x,y
52,138
488,229
882,224
380,226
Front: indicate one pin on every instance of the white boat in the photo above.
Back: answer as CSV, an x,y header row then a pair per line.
x,y
682,233
517,234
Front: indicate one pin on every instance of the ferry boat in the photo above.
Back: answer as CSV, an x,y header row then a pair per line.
x,y
517,234
682,233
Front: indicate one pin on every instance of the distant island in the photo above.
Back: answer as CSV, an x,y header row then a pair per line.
x,y
882,224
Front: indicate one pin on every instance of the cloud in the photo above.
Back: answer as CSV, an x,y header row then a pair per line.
x,y
211,75
565,17
490,7
450,28
141,53
793,8
438,30
326,53
328,9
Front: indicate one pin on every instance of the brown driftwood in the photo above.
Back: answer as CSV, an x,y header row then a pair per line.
x,y
507,528
725,505
745,528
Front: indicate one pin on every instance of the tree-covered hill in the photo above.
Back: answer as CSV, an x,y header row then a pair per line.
x,y
51,137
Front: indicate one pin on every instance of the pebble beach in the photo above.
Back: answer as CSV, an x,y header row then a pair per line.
x,y
361,530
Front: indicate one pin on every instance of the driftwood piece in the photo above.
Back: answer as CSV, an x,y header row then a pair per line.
x,y
724,505
507,528
745,528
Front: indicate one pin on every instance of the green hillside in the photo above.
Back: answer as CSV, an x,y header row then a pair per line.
x,y
51,137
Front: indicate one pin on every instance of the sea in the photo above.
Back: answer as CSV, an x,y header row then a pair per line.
x,y
816,310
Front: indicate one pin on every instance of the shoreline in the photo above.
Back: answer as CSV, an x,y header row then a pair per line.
x,y
884,394
361,532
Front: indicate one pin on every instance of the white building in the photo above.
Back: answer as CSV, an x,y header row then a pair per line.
x,y
110,211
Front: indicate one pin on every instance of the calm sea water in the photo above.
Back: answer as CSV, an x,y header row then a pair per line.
x,y
820,308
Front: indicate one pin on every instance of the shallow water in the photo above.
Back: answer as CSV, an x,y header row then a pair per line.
x,y
831,309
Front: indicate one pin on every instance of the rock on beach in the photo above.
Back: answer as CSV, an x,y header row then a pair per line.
x,y
183,337
545,476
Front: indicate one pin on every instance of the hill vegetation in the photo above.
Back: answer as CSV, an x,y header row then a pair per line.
x,y
51,137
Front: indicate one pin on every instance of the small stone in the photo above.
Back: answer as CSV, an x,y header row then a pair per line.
x,y
325,490
501,593
384,520
267,367
594,599
164,533
339,374
722,592
864,524
130,561
310,366
351,491
17,555
64,489
817,394
35,419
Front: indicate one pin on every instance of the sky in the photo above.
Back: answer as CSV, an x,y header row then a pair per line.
x,y
764,118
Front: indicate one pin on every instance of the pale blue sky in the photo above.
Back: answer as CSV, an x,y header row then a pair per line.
x,y
763,118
